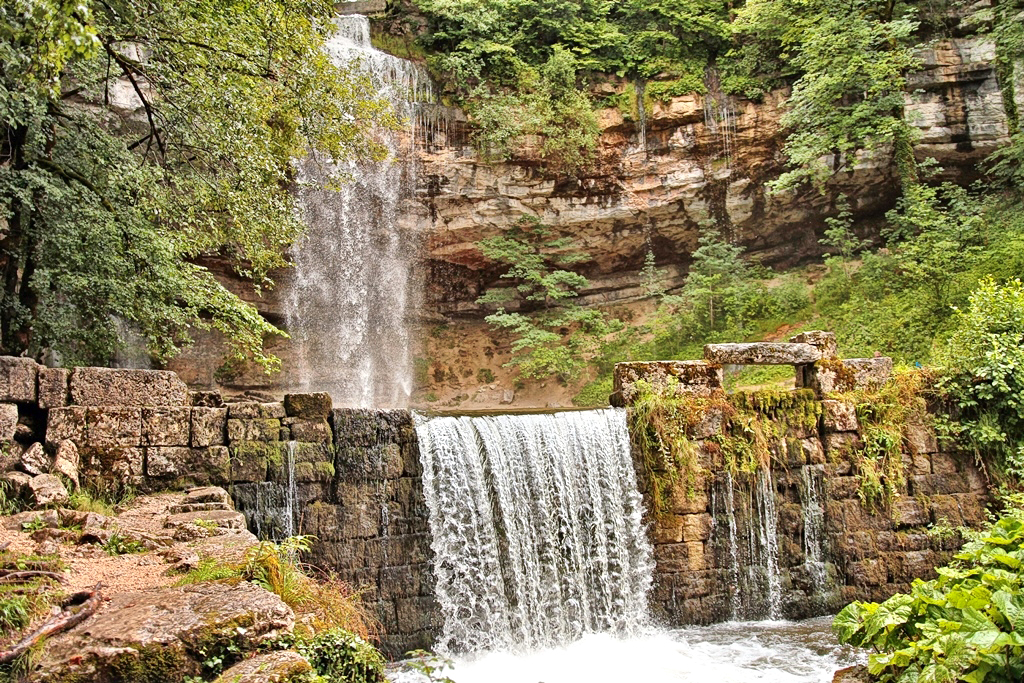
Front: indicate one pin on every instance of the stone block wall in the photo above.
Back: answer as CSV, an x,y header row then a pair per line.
x,y
718,555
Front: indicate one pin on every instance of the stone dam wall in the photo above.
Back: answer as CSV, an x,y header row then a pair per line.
x,y
792,539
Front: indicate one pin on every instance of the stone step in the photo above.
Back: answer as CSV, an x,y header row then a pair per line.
x,y
198,507
225,519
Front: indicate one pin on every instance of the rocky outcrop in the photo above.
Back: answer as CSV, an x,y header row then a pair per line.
x,y
273,667
164,634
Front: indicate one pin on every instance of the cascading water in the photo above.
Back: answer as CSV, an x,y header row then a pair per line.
x,y
354,285
270,506
812,498
536,523
768,538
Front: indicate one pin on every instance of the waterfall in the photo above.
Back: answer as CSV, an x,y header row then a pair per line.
x,y
813,511
270,507
536,524
734,562
354,287
768,537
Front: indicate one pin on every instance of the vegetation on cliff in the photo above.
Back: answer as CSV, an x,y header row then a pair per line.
x,y
138,136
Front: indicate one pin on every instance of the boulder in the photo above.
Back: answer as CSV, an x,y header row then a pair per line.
x,y
123,387
15,482
8,421
207,494
271,667
66,461
761,353
209,427
45,519
315,406
163,634
18,379
35,461
46,490
54,387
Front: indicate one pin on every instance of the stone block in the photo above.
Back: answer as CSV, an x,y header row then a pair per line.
x,y
245,410
311,431
941,484
8,421
945,509
841,444
310,472
54,387
814,451
225,519
840,416
316,406
123,387
828,376
113,464
683,502
695,556
697,527
918,464
66,423
972,509
168,426
114,427
825,342
869,373
207,494
921,439
871,572
250,460
272,411
668,529
167,461
209,427
253,429
18,379
944,463
910,512
761,353
685,376
842,488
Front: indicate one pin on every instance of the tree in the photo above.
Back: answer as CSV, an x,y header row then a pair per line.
x,y
139,136
851,59
552,335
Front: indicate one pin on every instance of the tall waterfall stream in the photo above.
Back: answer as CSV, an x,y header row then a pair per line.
x,y
543,565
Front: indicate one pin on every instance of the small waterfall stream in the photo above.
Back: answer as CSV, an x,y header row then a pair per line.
x,y
812,496
536,523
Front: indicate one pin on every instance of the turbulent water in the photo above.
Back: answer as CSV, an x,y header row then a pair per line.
x,y
536,524
733,652
354,285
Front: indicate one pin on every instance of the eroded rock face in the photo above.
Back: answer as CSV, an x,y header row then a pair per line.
x,y
138,635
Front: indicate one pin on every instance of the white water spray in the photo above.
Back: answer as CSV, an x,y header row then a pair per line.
x,y
536,524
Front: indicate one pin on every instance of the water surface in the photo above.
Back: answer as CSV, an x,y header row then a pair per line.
x,y
733,652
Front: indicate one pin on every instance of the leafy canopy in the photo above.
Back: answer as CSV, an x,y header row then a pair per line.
x,y
141,136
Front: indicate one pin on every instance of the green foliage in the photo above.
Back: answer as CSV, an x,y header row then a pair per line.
x,y
342,657
140,136
429,665
120,545
209,569
985,361
554,336
14,614
851,60
966,625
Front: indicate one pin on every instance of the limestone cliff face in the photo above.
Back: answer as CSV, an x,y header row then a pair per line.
x,y
701,158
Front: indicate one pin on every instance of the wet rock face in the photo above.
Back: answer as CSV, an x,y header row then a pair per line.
x,y
137,636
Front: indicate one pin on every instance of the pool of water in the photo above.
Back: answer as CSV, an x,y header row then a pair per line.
x,y
733,652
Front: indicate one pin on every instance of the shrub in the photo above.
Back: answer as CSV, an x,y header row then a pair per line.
x,y
966,625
